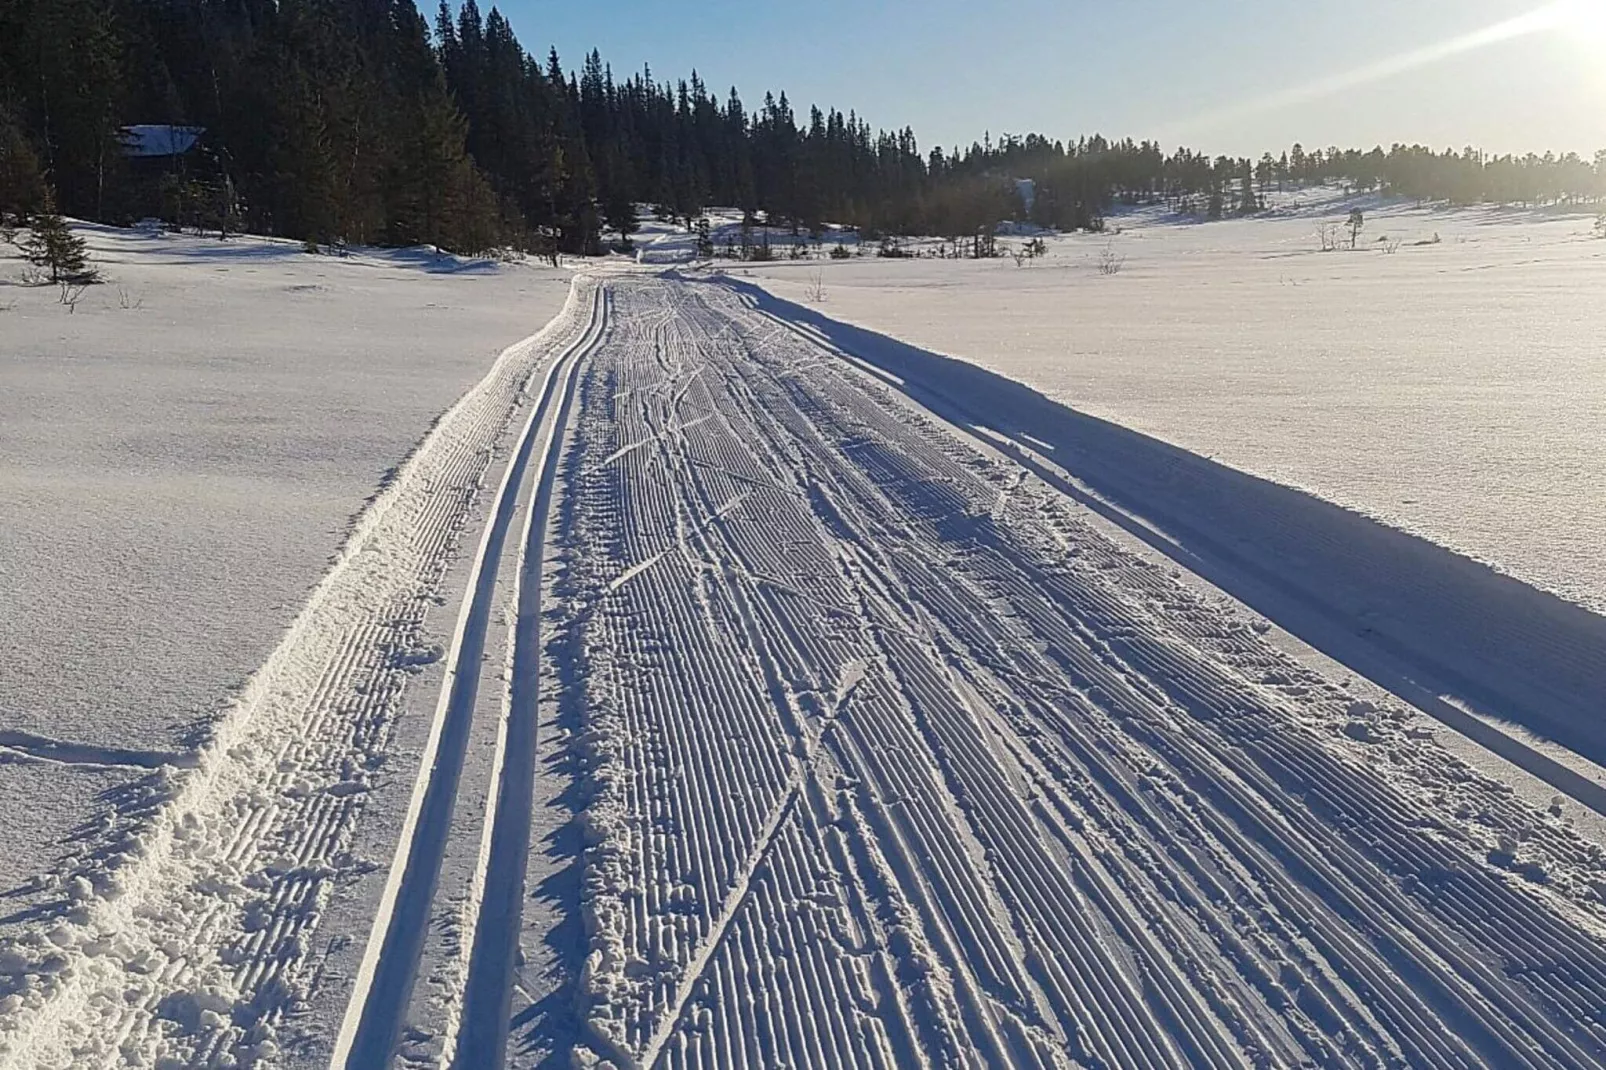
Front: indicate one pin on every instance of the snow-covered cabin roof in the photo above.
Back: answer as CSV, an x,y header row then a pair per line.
x,y
152,140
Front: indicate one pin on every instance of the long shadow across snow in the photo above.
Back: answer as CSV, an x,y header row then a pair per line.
x,y
1423,621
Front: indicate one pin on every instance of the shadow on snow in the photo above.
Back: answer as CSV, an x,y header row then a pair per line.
x,y
1444,632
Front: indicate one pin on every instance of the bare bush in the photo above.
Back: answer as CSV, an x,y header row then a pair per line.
x,y
128,302
71,293
816,288
1328,235
1110,262
1600,225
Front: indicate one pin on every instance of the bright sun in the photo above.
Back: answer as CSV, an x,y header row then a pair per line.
x,y
1585,19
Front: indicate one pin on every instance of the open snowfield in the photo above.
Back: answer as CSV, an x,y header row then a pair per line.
x,y
1456,390
175,475
799,711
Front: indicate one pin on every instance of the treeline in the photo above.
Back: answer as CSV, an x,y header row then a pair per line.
x,y
355,120
1076,183
351,120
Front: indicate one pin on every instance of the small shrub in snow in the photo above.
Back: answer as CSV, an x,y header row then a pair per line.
x,y
1110,261
1355,223
71,293
816,289
840,252
1600,225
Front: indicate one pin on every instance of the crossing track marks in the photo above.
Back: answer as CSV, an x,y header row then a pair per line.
x,y
185,931
895,757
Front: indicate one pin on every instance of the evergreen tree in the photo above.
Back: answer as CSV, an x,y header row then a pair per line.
x,y
52,247
620,217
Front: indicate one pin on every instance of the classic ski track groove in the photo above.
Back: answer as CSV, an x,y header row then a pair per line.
x,y
1074,813
378,1006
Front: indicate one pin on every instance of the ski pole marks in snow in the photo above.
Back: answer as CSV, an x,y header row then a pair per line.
x,y
1071,813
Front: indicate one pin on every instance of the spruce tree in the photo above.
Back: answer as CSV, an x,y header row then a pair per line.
x,y
53,247
619,215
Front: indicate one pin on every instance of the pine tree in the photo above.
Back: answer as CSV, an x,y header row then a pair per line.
x,y
53,247
619,215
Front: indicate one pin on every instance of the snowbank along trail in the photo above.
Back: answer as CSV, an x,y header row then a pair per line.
x,y
187,930
892,756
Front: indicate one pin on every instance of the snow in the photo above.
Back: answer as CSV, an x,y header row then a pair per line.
x,y
210,891
717,683
176,474
1455,390
160,140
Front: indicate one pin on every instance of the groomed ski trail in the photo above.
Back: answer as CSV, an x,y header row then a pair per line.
x,y
1069,811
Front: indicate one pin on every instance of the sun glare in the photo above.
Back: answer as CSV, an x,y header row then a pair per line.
x,y
1583,20
1587,18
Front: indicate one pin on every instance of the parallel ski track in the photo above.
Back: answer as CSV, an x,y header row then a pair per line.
x,y
1066,813
494,944
379,1001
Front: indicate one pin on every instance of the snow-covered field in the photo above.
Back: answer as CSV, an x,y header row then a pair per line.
x,y
176,474
1456,390
721,684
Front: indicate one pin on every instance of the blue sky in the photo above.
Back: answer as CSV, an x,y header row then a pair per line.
x,y
1223,77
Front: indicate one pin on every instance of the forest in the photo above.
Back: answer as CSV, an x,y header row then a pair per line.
x,y
335,121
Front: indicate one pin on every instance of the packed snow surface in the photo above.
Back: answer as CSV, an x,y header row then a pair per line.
x,y
1456,388
180,457
814,700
